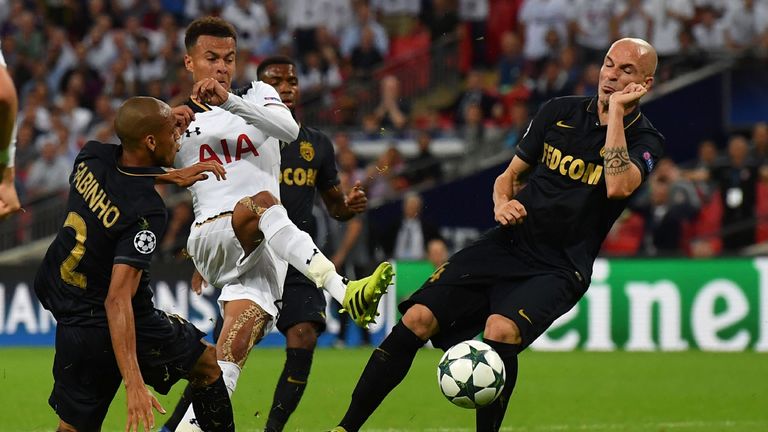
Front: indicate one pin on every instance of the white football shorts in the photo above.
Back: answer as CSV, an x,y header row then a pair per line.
x,y
220,259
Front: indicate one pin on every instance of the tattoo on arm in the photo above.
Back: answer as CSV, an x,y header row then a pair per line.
x,y
616,160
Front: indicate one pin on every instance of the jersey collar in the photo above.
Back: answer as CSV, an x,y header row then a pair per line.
x,y
149,171
629,119
198,106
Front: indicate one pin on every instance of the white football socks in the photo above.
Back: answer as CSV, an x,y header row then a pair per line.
x,y
295,246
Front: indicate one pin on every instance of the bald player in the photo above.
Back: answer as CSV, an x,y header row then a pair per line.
x,y
94,280
585,156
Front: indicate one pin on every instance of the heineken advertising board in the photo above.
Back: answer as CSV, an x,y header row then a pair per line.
x,y
656,304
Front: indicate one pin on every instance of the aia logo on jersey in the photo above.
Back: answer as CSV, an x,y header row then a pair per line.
x,y
243,147
307,151
145,242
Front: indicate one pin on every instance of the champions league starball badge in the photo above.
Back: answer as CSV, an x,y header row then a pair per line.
x,y
145,242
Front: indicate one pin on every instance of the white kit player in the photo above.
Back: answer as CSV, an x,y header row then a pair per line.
x,y
242,240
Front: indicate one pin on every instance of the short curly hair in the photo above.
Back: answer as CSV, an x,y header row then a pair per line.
x,y
208,26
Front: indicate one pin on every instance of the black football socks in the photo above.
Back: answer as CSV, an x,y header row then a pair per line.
x,y
290,387
213,408
386,368
181,409
489,418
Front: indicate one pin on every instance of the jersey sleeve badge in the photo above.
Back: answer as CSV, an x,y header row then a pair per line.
x,y
307,151
145,242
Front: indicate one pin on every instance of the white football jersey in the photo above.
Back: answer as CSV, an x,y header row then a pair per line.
x,y
250,157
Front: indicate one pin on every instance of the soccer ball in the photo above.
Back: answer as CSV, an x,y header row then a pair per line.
x,y
471,374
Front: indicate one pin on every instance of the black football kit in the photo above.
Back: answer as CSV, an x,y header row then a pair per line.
x,y
307,164
114,216
536,271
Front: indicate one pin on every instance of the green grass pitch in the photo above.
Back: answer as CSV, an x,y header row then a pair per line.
x,y
576,391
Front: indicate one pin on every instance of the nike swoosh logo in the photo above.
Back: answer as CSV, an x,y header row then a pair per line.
x,y
522,314
563,125
293,380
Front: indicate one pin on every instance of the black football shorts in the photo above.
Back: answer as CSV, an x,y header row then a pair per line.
x,y
302,301
490,277
85,370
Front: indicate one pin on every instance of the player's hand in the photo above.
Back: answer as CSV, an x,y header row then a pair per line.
x,y
140,403
209,91
356,200
511,213
9,200
184,116
628,97
185,177
198,282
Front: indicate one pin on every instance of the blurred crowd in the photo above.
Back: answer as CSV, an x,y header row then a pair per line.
x,y
75,61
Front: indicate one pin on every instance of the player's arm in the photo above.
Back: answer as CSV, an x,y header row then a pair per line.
x,y
506,209
9,200
341,207
187,176
122,287
622,176
274,119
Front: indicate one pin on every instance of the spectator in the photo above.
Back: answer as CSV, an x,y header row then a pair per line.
x,y
251,21
407,239
592,22
437,252
474,94
699,172
425,169
393,111
668,204
365,57
511,63
737,183
633,19
538,17
670,17
50,173
351,36
708,32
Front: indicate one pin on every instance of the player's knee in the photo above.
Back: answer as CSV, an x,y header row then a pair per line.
x,y
302,335
502,329
244,325
421,321
257,204
206,371
265,199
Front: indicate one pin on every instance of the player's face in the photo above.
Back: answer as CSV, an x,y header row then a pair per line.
x,y
212,57
283,78
167,142
621,67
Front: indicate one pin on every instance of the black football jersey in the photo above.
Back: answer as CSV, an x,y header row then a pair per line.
x,y
114,216
569,213
307,164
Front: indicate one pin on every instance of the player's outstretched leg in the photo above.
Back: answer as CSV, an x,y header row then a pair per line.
x,y
388,365
261,217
